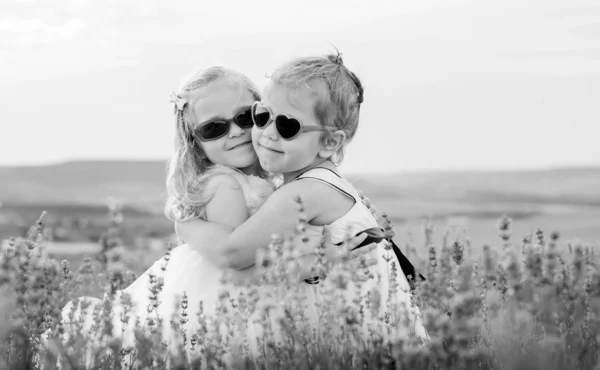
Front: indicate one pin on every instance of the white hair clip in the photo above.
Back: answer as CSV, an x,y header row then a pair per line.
x,y
178,101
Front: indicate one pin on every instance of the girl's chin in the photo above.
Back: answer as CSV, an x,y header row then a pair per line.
x,y
254,163
247,159
270,166
242,164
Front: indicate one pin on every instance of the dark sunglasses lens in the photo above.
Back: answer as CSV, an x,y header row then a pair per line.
x,y
260,116
212,130
244,119
287,127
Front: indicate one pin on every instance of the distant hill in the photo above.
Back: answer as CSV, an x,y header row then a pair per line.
x,y
85,182
142,183
562,185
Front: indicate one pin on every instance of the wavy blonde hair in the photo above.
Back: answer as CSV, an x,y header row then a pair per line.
x,y
189,168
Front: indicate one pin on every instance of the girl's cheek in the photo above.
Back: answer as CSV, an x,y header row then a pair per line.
x,y
255,135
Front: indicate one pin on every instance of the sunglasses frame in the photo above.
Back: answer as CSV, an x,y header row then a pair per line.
x,y
273,118
228,121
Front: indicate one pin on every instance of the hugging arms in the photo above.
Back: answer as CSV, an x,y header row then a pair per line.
x,y
234,241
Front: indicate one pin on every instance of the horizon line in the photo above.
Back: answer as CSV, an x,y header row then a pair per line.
x,y
349,171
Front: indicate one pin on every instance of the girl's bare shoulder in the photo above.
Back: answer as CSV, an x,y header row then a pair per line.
x,y
322,201
223,182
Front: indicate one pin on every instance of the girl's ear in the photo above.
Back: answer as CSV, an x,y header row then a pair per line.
x,y
335,140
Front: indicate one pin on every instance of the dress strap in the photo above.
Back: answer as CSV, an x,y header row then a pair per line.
x,y
332,179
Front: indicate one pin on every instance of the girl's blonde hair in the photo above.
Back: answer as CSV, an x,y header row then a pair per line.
x,y
338,102
189,168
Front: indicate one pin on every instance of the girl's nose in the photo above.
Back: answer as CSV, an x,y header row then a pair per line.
x,y
235,130
271,131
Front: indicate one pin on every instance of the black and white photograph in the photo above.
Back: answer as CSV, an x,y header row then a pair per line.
x,y
300,184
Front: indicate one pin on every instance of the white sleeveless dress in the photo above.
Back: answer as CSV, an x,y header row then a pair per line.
x,y
408,322
186,270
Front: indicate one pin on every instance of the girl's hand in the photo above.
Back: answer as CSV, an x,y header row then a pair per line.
x,y
345,253
335,256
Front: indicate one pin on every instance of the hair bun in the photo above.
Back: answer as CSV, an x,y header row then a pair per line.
x,y
337,59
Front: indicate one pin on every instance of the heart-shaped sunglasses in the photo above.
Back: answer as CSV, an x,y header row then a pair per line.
x,y
287,127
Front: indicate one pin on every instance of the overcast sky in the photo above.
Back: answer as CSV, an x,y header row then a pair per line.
x,y
476,84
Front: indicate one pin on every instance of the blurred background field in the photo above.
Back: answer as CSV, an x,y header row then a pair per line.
x,y
75,195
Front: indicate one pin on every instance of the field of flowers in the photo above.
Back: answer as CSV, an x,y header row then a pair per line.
x,y
527,302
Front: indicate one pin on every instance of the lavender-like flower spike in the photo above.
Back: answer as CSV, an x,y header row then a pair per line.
x,y
178,101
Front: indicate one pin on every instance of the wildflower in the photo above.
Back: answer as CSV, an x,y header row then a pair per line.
x,y
504,228
432,257
458,252
428,231
540,237
387,227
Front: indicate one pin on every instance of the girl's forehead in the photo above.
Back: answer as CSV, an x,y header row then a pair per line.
x,y
222,98
292,100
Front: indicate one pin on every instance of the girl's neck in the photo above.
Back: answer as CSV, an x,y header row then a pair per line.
x,y
251,170
291,176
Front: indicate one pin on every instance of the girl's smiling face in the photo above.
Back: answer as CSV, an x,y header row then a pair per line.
x,y
289,157
222,99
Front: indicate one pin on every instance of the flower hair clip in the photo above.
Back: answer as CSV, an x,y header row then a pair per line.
x,y
178,101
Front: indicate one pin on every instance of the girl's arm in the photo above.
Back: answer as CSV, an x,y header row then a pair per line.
x,y
227,207
279,215
199,233
206,236
333,253
225,211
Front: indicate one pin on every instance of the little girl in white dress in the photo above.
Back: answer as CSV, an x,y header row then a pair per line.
x,y
214,175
